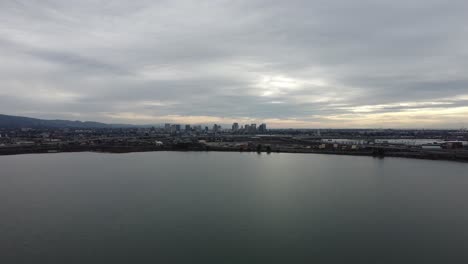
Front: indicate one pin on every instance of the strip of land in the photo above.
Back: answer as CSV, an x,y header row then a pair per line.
x,y
260,144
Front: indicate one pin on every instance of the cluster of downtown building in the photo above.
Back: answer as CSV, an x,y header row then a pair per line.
x,y
199,129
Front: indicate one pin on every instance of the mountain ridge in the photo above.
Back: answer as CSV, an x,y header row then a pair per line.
x,y
10,121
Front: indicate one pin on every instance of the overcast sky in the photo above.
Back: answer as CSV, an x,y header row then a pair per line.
x,y
310,63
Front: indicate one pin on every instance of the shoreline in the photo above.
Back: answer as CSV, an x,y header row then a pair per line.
x,y
426,155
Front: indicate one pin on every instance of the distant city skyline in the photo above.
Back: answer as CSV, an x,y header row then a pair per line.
x,y
289,64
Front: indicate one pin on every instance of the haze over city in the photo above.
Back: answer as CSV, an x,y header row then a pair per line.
x,y
300,64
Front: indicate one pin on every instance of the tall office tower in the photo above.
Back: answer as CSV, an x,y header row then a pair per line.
x,y
262,128
253,128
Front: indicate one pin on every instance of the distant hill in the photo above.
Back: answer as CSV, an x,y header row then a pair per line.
x,y
7,121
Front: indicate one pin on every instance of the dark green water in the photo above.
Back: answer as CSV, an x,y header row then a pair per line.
x,y
176,207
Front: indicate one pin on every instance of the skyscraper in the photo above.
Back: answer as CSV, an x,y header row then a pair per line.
x,y
262,128
216,128
253,128
173,129
167,127
235,127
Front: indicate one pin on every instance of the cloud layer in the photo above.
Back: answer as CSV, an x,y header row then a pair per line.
x,y
313,63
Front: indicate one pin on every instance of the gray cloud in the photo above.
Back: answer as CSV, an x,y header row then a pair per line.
x,y
292,63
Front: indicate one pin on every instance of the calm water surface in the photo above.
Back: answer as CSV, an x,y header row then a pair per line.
x,y
189,207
